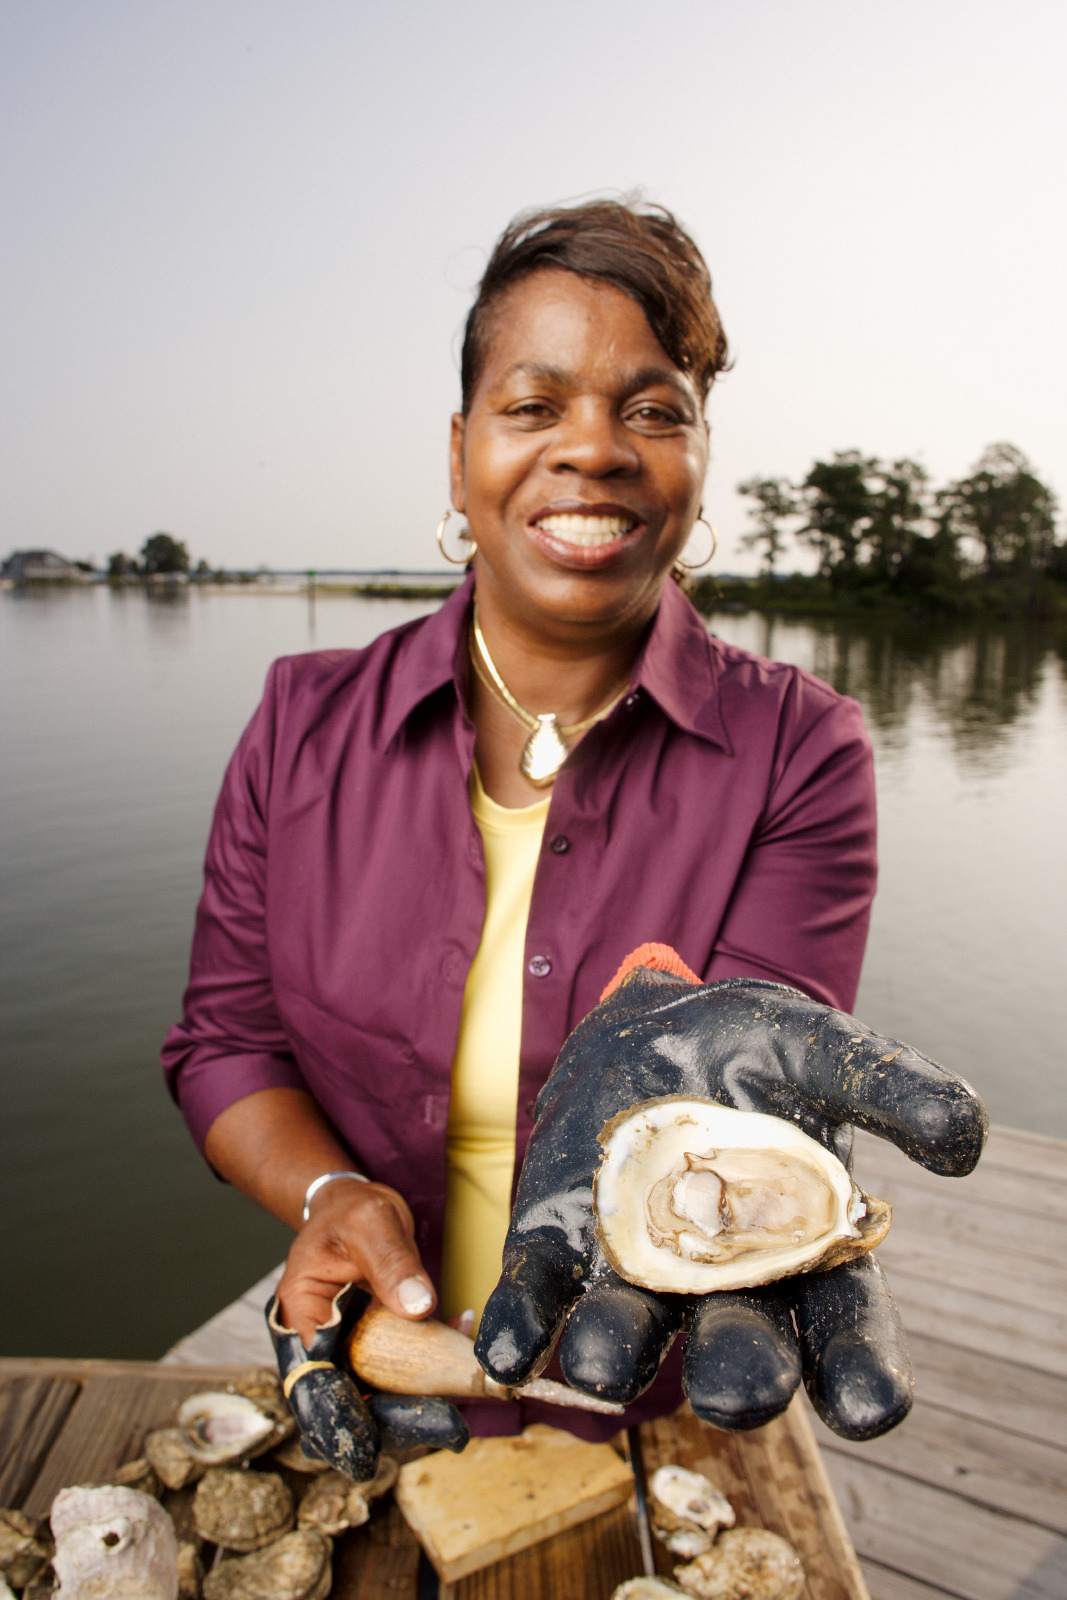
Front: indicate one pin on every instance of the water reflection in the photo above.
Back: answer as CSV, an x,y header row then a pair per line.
x,y
975,680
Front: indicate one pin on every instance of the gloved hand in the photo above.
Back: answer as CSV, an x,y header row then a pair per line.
x,y
341,1421
757,1046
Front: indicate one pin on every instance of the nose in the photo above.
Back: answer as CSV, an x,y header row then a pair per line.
x,y
592,441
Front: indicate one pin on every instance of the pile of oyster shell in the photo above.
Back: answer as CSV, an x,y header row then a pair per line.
x,y
691,1517
191,1520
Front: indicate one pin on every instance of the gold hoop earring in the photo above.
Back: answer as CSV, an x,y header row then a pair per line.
x,y
694,566
460,561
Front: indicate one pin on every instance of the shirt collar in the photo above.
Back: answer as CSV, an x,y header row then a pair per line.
x,y
678,666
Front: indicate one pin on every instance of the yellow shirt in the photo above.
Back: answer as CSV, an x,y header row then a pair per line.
x,y
485,1070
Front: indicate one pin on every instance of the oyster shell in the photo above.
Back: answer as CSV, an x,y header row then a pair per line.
x,y
292,1454
334,1503
22,1554
139,1474
113,1544
295,1568
242,1511
744,1564
166,1453
692,1196
217,1427
645,1589
190,1571
687,1510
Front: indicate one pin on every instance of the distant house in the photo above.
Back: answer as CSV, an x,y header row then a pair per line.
x,y
33,566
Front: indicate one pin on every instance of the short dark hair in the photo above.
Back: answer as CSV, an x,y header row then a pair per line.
x,y
637,247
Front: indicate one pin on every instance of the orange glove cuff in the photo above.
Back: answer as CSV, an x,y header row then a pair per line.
x,y
658,957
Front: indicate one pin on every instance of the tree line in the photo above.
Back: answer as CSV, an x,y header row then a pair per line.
x,y
882,532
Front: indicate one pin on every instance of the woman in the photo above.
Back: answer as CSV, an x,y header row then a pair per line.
x,y
409,903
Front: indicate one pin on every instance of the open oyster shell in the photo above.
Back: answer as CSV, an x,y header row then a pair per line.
x,y
217,1427
687,1510
744,1564
692,1196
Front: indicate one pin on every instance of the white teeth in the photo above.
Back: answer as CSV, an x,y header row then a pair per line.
x,y
579,529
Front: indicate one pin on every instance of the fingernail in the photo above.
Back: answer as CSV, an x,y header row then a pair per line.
x,y
414,1296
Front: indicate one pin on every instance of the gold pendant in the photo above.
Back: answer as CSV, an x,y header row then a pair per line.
x,y
544,752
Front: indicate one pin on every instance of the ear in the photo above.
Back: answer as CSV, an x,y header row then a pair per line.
x,y
455,461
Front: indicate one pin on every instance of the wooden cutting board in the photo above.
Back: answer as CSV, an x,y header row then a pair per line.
x,y
503,1495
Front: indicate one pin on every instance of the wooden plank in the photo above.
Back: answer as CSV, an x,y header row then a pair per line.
x,y
881,1168
379,1559
586,1562
885,1584
956,1257
983,1464
774,1478
1030,1152
944,1540
32,1411
105,1427
976,1322
502,1495
1010,1397
149,1371
960,1221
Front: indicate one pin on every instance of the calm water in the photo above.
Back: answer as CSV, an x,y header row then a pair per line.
x,y
118,714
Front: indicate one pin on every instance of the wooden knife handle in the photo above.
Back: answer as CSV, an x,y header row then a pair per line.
x,y
405,1357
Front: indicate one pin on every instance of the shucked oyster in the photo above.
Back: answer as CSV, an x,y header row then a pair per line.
x,y
692,1196
745,1564
687,1510
217,1427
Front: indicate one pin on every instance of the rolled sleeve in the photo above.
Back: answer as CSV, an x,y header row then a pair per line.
x,y
230,1042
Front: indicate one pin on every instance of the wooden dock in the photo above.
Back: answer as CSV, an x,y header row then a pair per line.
x,y
968,1498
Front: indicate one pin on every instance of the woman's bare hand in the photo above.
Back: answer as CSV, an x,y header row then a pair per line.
x,y
357,1233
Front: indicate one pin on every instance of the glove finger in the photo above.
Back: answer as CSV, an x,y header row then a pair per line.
x,y
742,1366
932,1114
540,1282
407,1421
856,1364
334,1423
616,1337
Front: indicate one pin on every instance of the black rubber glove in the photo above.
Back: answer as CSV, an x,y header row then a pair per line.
x,y
340,1420
759,1047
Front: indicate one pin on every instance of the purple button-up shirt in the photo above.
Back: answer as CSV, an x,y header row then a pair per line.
x,y
725,807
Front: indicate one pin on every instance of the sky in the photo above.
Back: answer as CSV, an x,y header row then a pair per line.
x,y
240,238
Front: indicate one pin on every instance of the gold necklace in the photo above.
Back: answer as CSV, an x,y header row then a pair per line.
x,y
549,742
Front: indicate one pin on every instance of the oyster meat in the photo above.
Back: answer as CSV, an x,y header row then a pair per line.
x,y
295,1568
242,1511
687,1510
217,1427
692,1196
744,1564
113,1543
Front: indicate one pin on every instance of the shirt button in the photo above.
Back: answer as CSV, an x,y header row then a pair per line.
x,y
560,844
540,966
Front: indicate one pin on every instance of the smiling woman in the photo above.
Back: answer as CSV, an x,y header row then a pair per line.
x,y
399,927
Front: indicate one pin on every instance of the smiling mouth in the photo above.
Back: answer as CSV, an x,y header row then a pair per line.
x,y
589,531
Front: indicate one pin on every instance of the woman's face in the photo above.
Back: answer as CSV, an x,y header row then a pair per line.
x,y
581,462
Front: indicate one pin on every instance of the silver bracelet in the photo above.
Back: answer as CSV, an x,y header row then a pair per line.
x,y
320,1183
